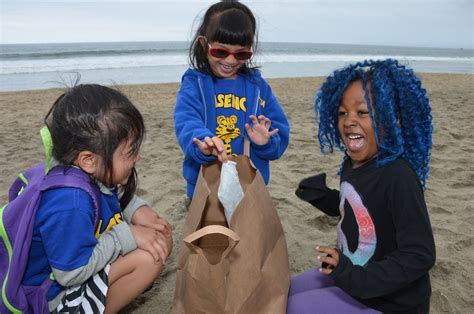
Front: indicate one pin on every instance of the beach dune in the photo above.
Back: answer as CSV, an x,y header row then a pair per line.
x,y
448,194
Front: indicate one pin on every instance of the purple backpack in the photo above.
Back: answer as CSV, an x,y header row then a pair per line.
x,y
16,229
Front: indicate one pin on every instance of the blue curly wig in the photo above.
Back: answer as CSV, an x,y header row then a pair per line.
x,y
400,112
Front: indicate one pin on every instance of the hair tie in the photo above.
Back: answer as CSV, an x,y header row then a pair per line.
x,y
48,147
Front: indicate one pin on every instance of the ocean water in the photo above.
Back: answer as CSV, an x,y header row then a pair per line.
x,y
39,66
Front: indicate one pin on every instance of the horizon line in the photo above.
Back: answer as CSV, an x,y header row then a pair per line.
x,y
268,42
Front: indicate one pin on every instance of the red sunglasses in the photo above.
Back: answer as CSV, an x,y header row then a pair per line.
x,y
222,53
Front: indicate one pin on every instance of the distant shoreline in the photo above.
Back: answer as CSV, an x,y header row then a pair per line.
x,y
187,42
42,66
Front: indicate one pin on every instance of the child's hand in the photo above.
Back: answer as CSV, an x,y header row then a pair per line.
x,y
259,133
330,260
213,146
152,241
145,216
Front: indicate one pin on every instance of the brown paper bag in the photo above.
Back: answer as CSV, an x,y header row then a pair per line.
x,y
217,272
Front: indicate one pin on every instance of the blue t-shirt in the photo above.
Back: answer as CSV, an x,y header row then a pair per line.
x,y
231,106
64,235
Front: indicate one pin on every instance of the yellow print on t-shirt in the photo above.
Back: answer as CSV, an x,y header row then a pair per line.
x,y
231,101
115,220
227,131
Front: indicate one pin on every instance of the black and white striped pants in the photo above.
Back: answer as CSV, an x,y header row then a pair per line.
x,y
88,297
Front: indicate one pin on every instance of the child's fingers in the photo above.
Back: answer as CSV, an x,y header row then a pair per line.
x,y
325,271
167,226
248,128
222,157
268,123
328,260
197,141
146,239
162,251
220,151
162,247
201,145
271,133
164,223
326,249
156,250
153,251
264,121
218,144
253,119
209,142
161,226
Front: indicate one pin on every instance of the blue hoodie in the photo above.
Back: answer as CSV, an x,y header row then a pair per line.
x,y
195,117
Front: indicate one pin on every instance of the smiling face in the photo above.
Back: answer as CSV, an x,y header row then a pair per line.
x,y
225,67
355,125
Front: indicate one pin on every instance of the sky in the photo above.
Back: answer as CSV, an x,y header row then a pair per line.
x,y
414,23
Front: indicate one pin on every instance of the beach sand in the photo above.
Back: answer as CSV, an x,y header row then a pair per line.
x,y
448,195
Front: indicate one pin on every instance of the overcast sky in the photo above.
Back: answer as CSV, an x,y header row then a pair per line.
x,y
423,23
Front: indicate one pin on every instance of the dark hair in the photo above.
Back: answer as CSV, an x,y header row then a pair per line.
x,y
97,119
226,22
400,112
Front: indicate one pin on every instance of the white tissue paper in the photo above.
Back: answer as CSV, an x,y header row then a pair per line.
x,y
230,191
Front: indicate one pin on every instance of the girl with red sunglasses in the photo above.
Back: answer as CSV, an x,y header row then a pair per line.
x,y
224,99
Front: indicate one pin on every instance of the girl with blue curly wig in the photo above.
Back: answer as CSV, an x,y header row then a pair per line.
x,y
379,115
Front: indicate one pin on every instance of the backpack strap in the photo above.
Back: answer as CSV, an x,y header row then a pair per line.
x,y
73,177
36,172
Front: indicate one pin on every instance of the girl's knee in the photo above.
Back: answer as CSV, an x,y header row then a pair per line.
x,y
146,264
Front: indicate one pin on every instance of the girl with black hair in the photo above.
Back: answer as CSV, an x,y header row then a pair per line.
x,y
223,98
97,267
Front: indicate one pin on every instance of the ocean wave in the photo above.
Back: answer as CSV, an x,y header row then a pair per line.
x,y
126,60
84,53
285,57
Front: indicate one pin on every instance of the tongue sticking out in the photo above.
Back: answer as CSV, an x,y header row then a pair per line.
x,y
226,69
355,143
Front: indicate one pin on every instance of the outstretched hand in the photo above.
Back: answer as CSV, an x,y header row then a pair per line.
x,y
259,133
329,261
212,146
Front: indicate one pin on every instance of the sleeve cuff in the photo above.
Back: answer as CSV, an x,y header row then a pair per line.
x,y
312,188
199,157
268,150
342,265
125,238
132,206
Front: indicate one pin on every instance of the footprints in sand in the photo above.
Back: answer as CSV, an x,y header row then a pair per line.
x,y
323,223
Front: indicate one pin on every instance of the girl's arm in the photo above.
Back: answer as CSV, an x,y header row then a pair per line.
x,y
146,217
68,234
138,212
271,109
189,117
315,191
117,241
135,203
415,252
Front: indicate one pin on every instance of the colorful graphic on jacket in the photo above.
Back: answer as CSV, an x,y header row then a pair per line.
x,y
367,237
115,220
262,102
227,131
231,101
